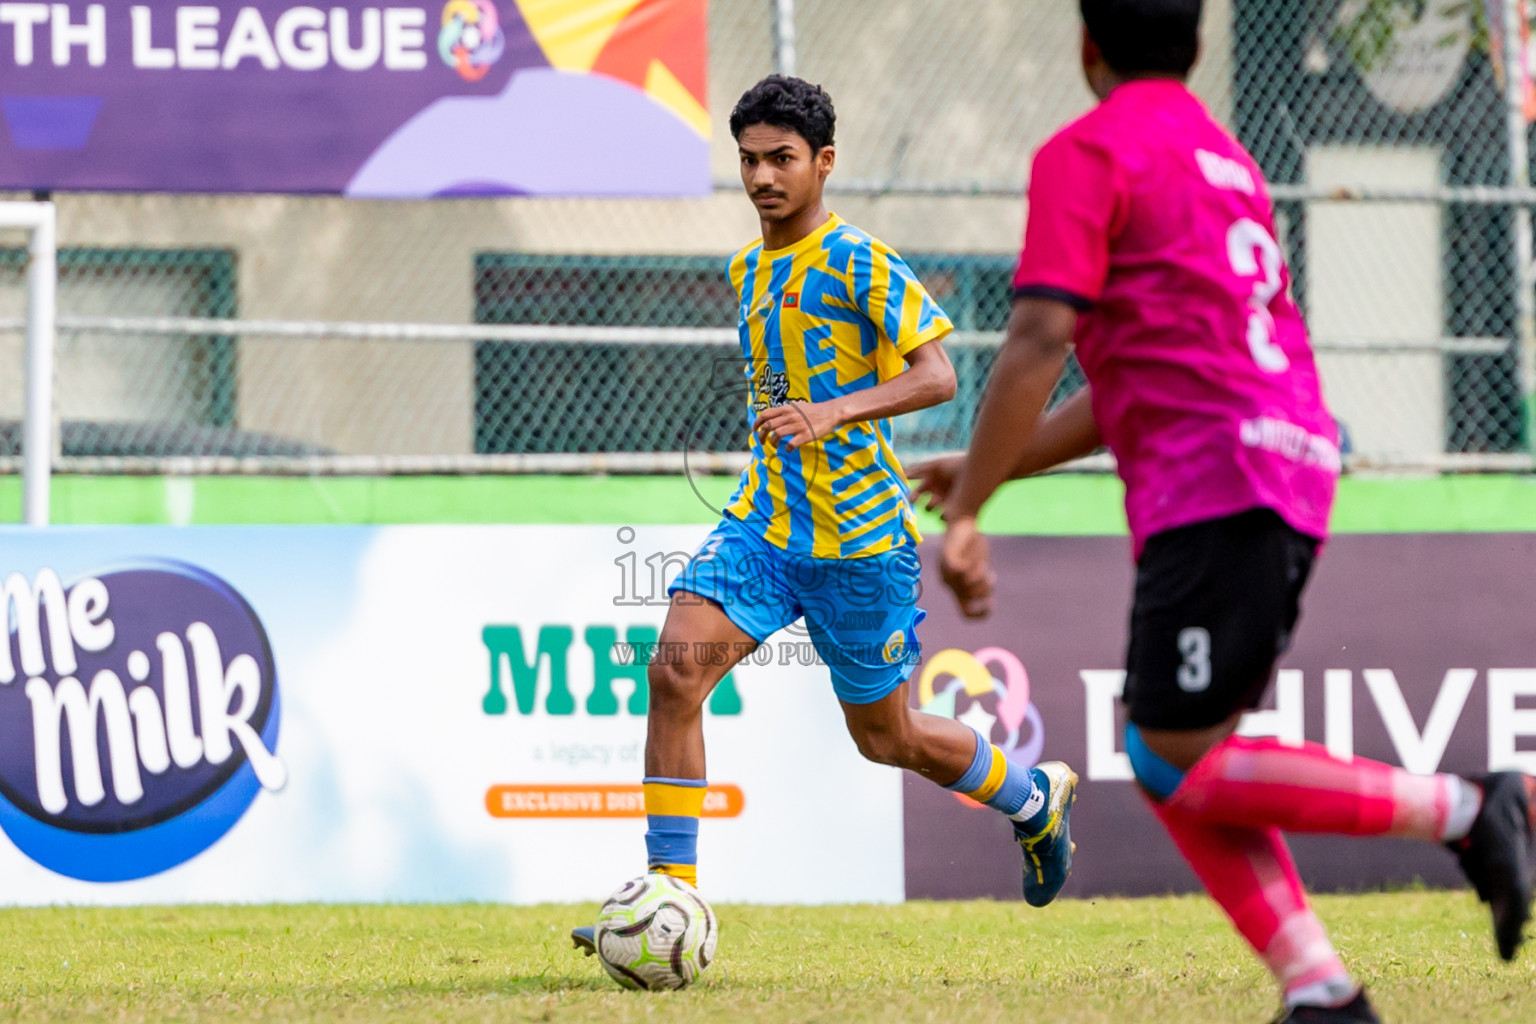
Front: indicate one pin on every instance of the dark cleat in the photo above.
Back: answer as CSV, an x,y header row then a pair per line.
x,y
1496,855
1048,853
585,939
1357,1011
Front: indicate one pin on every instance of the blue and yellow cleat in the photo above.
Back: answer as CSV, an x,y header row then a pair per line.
x,y
1048,852
585,939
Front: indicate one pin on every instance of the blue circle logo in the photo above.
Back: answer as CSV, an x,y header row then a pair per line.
x,y
138,718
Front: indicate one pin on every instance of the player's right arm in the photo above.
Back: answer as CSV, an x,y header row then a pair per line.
x,y
928,381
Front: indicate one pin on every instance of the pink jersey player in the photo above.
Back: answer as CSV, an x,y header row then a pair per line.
x,y
1151,250
1148,218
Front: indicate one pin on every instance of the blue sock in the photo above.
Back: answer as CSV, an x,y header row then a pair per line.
x,y
672,809
1020,793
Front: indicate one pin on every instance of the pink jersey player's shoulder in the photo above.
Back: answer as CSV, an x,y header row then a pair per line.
x,y
1158,119
1093,137
1095,126
1125,126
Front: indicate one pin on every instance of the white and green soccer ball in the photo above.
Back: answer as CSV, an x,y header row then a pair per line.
x,y
656,932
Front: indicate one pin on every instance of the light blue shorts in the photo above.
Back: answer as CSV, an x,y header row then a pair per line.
x,y
861,613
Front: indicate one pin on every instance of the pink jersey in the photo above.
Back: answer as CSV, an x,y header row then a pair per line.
x,y
1157,226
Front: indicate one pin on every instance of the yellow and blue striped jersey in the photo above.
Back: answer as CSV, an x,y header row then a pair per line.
x,y
832,314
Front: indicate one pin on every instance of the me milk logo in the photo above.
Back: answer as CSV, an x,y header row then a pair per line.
x,y
144,727
613,661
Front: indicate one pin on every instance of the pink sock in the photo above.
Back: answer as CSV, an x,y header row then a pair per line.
x,y
1250,874
1258,783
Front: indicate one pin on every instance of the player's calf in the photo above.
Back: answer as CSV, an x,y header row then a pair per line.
x,y
1488,822
1038,801
674,741
888,731
674,752
894,746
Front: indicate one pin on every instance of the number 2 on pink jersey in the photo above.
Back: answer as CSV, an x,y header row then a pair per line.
x,y
1252,251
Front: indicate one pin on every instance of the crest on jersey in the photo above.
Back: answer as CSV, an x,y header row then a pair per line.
x,y
772,389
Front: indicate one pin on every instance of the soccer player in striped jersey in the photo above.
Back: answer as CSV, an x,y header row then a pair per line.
x,y
1151,248
838,336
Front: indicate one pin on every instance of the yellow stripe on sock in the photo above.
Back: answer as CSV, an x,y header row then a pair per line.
x,y
687,872
987,790
676,801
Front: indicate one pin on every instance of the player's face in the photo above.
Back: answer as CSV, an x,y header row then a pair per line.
x,y
781,174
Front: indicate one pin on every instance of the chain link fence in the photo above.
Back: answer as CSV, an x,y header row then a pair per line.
x,y
269,333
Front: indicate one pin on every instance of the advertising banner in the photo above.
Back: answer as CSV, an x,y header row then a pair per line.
x,y
445,713
400,714
441,98
1413,649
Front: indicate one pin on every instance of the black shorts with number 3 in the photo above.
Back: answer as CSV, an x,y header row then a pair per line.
x,y
1215,606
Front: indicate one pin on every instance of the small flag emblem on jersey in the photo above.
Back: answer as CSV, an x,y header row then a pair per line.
x,y
791,300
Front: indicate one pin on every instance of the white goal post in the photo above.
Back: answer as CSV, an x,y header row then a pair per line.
x,y
40,220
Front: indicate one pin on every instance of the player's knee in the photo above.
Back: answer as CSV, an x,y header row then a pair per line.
x,y
676,687
1157,776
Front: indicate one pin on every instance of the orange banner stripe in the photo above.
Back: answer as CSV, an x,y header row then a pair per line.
x,y
556,800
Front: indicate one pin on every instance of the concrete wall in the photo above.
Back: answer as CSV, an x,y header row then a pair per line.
x,y
929,90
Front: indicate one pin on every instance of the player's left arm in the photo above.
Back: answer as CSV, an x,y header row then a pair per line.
x,y
929,380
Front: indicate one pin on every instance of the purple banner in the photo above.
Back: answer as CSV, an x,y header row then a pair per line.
x,y
463,97
1416,650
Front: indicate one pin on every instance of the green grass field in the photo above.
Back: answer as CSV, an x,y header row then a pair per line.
x,y
1426,955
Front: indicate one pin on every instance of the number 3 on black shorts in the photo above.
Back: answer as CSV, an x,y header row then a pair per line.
x,y
1240,577
1195,645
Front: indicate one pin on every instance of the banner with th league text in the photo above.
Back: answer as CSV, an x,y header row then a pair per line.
x,y
410,100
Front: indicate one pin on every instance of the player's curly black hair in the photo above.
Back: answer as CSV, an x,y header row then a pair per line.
x,y
792,104
1145,37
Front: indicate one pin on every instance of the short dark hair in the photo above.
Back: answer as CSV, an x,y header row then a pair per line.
x,y
1136,37
792,104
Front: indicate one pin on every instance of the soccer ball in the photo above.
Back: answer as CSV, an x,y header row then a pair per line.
x,y
656,932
